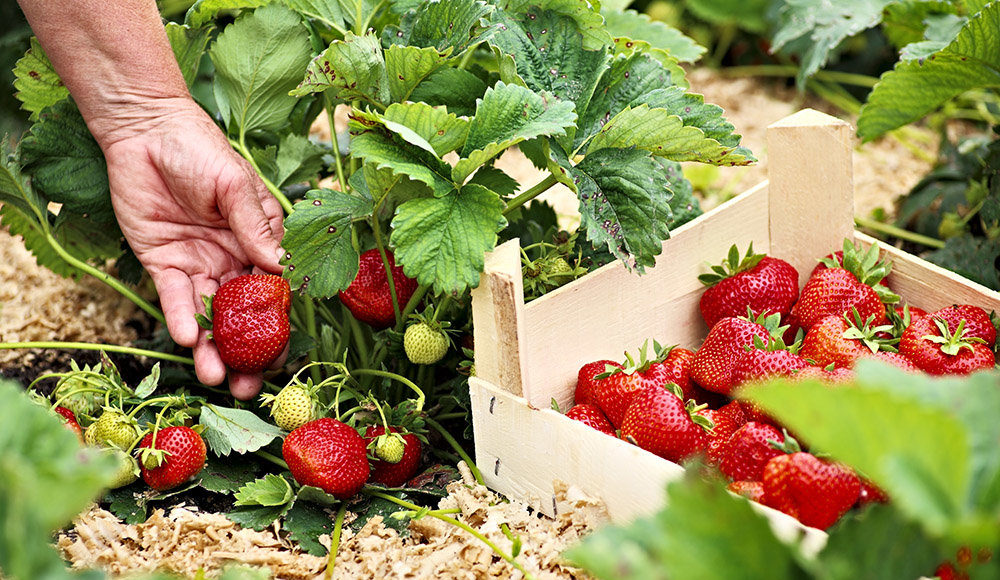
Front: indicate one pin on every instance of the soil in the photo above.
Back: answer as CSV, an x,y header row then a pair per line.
x,y
38,305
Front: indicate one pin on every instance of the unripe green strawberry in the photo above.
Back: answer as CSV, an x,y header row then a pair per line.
x,y
90,435
85,403
292,407
128,468
390,449
424,344
114,428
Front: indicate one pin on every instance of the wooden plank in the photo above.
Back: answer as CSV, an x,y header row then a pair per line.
x,y
523,451
928,285
612,309
811,187
498,319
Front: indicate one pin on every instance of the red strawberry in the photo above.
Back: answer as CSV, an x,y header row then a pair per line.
x,y
591,415
936,350
977,321
70,421
394,474
675,368
838,341
758,282
250,321
716,360
896,359
368,296
726,421
832,260
184,456
871,493
585,380
835,291
327,454
764,361
752,490
913,310
659,422
613,391
809,489
749,450
832,376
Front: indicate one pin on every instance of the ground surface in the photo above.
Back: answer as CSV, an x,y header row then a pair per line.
x,y
37,305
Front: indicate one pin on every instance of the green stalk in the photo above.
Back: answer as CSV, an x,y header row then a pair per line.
x,y
897,232
788,71
328,105
418,295
272,458
395,377
458,449
241,146
359,339
467,56
457,523
105,347
377,233
338,526
833,97
531,193
310,316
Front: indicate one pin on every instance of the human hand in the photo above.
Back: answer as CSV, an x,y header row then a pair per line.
x,y
194,213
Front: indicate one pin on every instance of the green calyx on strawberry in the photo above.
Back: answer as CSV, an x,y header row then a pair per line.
x,y
369,298
866,267
248,317
293,406
767,358
930,345
757,282
426,341
327,454
171,456
953,342
715,363
614,388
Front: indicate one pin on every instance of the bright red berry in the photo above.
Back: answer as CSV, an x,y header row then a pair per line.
x,y
368,296
759,364
977,321
833,340
660,422
327,454
395,474
184,457
726,420
835,291
591,415
815,492
585,380
749,449
250,321
70,422
675,368
936,350
752,490
715,362
761,283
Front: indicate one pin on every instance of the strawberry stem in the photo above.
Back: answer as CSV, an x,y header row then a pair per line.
x,y
458,449
272,458
104,347
338,526
395,377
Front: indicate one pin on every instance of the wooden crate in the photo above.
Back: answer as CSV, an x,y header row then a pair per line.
x,y
529,354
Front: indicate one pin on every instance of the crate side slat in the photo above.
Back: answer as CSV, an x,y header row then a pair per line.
x,y
613,310
811,187
929,286
498,315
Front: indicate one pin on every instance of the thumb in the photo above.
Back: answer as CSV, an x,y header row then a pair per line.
x,y
252,230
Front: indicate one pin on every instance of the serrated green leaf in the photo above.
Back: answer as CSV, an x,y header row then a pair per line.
x,y
127,503
227,476
354,68
495,179
506,116
826,24
257,517
456,89
14,188
971,257
637,26
66,164
692,108
298,159
37,83
258,60
904,21
924,442
914,88
589,21
624,203
442,131
441,24
627,46
750,15
941,30
441,241
329,12
319,255
408,66
204,11
228,430
684,206
269,491
305,523
189,46
148,384
316,496
375,144
664,134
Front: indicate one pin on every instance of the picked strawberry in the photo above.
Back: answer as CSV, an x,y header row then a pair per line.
x,y
814,491
726,420
977,321
327,454
715,362
368,297
673,365
591,415
896,359
841,341
936,350
171,457
836,290
404,448
585,381
661,423
767,359
70,421
756,281
829,374
613,390
749,449
249,321
752,490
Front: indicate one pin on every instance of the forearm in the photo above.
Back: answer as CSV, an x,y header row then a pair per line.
x,y
110,55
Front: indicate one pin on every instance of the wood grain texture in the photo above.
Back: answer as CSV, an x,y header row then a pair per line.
x,y
811,187
498,315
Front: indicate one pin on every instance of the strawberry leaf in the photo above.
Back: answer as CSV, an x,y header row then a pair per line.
x,y
354,68
409,155
440,241
331,13
257,517
305,523
258,60
506,116
624,203
456,89
589,23
637,26
443,131
298,159
189,46
37,83
270,490
442,24
318,251
226,476
203,12
408,66
228,430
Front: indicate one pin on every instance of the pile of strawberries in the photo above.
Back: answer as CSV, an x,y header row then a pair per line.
x,y
676,402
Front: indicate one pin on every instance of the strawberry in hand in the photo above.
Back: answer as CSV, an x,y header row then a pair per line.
x,y
248,317
758,282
